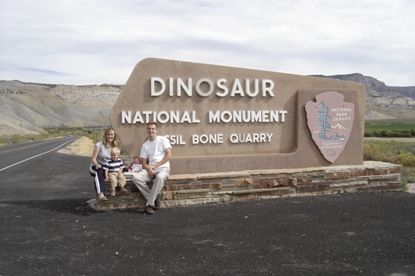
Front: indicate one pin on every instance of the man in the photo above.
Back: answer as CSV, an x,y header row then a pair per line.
x,y
155,153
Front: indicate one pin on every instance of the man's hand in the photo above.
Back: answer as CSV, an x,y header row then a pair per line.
x,y
150,170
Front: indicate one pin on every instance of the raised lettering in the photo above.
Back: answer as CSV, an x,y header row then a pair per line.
x,y
153,82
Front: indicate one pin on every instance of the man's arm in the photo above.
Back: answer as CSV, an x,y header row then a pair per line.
x,y
145,164
150,168
167,157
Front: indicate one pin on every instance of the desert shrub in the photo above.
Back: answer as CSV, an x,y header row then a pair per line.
x,y
15,139
389,133
401,133
405,159
370,151
385,133
394,152
408,176
376,152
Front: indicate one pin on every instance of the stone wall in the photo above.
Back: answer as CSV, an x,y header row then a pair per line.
x,y
194,189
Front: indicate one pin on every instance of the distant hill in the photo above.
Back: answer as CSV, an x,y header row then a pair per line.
x,y
382,101
375,87
27,108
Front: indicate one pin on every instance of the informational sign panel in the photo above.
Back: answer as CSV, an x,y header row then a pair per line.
x,y
330,121
223,119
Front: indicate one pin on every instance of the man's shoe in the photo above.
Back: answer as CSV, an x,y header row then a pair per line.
x,y
148,210
157,203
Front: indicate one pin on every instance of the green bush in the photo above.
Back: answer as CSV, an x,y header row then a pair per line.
x,y
406,159
394,152
370,151
390,130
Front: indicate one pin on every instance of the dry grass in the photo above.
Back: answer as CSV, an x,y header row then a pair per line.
x,y
82,147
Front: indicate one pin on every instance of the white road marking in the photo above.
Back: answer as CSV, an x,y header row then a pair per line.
x,y
35,156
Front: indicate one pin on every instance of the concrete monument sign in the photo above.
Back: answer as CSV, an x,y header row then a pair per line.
x,y
223,119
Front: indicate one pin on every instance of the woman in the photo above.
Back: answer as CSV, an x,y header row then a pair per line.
x,y
100,155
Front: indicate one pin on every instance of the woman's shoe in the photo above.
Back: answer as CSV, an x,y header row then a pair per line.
x,y
123,190
101,197
112,193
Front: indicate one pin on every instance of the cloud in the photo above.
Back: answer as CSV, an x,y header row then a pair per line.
x,y
94,42
47,72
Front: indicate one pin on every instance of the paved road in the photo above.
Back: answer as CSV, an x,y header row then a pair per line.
x,y
47,229
13,155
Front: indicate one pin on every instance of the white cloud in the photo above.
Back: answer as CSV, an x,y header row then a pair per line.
x,y
94,42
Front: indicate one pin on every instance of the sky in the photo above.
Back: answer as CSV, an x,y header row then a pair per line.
x,y
86,42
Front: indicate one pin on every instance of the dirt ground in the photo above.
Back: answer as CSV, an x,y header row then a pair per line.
x,y
82,147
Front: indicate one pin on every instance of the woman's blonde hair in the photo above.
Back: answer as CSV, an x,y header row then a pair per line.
x,y
114,142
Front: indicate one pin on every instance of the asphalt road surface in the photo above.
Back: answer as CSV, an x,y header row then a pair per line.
x,y
48,229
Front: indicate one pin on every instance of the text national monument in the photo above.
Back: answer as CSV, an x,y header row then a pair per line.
x,y
226,119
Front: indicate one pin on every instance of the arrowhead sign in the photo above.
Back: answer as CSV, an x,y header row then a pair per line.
x,y
330,121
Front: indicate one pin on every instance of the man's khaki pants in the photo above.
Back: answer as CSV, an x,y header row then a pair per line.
x,y
142,178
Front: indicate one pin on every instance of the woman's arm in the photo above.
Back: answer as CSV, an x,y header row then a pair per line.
x,y
94,158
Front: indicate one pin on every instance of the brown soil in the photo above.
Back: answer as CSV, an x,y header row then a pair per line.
x,y
82,147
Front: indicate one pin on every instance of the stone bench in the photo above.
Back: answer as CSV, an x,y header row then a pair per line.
x,y
225,187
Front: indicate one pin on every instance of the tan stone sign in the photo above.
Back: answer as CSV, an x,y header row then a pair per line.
x,y
222,119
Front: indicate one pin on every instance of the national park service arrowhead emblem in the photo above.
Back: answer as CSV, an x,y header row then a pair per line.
x,y
330,121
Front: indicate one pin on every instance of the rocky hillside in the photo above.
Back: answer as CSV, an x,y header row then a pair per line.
x,y
382,101
27,108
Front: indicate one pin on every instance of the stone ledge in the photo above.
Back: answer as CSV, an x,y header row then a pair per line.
x,y
207,188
